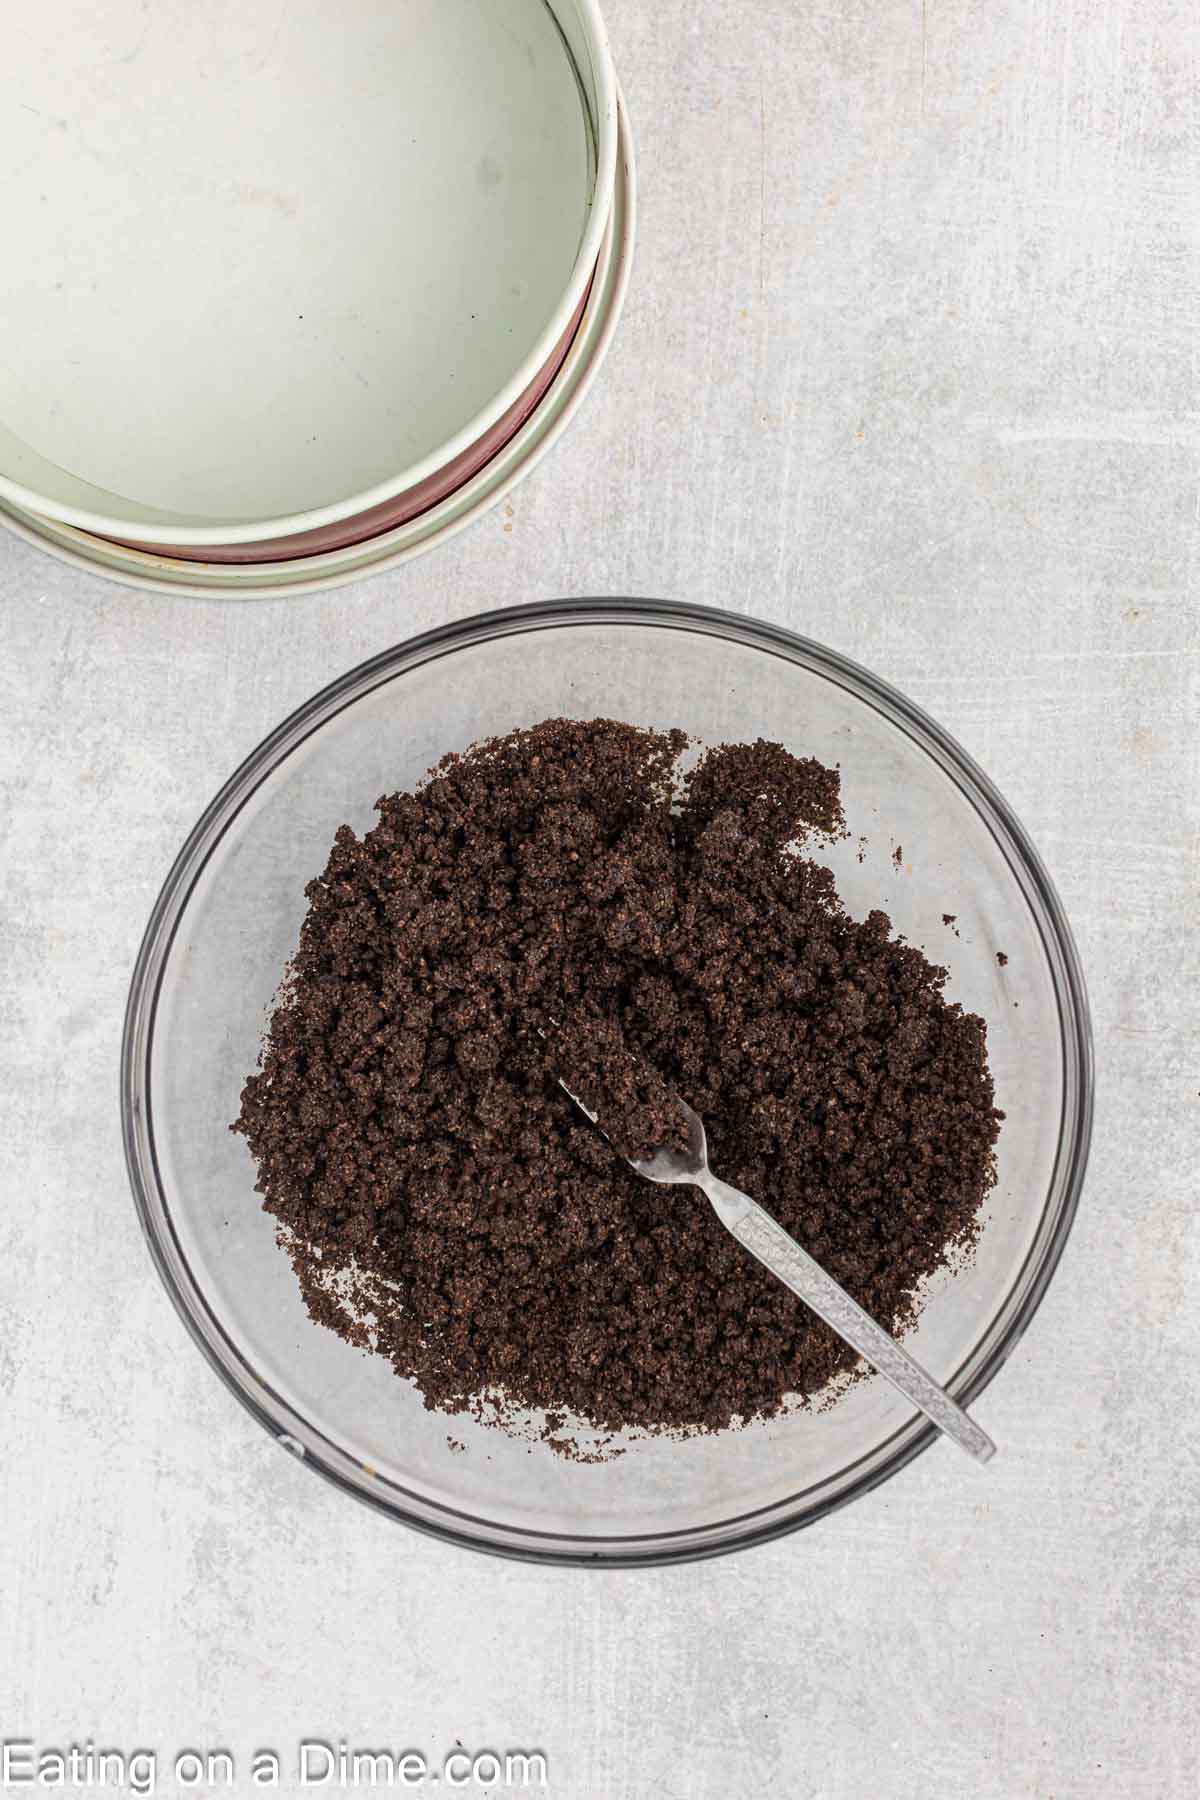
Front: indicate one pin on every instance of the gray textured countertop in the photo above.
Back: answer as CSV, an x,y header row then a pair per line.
x,y
909,364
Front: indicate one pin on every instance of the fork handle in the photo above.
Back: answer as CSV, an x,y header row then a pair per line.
x,y
758,1232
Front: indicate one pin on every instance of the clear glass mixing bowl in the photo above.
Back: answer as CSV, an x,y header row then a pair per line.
x,y
227,921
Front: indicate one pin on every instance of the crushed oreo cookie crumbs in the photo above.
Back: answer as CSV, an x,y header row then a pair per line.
x,y
446,1205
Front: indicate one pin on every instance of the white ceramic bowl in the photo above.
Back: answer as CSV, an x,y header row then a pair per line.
x,y
156,571
268,272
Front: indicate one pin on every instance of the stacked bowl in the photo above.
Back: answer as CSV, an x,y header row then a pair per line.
x,y
298,295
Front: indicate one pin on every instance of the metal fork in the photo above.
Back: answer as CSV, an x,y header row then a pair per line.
x,y
758,1232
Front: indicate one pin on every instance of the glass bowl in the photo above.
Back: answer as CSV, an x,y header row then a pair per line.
x,y
938,839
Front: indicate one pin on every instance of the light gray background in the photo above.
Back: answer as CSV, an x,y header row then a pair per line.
x,y
909,364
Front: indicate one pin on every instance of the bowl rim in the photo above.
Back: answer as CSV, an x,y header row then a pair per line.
x,y
299,1435
146,533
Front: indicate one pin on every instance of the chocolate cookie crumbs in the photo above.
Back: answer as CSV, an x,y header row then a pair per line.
x,y
633,1105
558,895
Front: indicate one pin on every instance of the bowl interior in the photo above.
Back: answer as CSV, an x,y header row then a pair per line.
x,y
359,242
229,920
522,452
